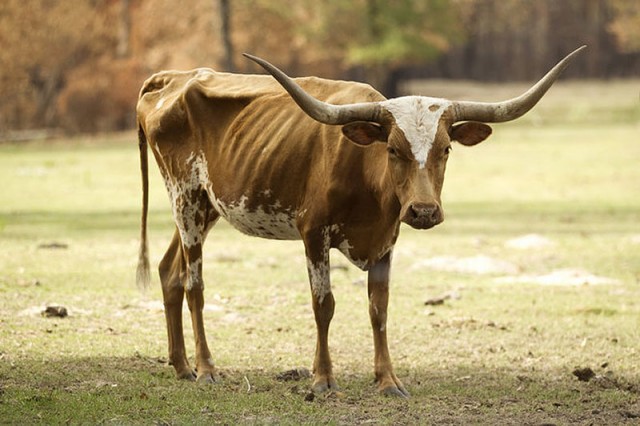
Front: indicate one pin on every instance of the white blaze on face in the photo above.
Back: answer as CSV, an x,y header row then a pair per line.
x,y
418,118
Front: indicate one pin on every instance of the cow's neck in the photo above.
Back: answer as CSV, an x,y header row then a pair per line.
x,y
386,194
385,217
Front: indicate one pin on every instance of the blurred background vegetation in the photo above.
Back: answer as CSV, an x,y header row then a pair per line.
x,y
76,66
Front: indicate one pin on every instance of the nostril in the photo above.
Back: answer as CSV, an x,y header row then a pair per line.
x,y
423,215
435,214
422,210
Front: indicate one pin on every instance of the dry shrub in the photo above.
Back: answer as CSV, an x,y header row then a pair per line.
x,y
101,98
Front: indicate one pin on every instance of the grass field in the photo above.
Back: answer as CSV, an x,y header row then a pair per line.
x,y
537,264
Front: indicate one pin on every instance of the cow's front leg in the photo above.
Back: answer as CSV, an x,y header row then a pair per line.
x,y
317,251
378,287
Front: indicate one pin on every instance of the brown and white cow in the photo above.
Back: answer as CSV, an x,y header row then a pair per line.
x,y
341,167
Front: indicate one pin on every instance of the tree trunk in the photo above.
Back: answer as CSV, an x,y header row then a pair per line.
x,y
225,32
123,49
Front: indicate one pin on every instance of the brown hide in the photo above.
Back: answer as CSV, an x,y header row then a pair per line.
x,y
260,145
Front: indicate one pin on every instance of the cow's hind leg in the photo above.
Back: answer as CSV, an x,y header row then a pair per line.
x,y
198,216
205,368
194,216
378,288
172,275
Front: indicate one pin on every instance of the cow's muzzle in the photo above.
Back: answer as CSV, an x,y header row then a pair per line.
x,y
423,215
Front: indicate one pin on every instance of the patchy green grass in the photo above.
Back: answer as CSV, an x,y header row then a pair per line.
x,y
518,317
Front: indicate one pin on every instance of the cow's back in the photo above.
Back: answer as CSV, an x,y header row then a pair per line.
x,y
171,98
263,153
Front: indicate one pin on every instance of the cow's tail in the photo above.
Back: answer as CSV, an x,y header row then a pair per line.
x,y
143,277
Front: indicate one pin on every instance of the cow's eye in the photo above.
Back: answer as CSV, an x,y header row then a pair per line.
x,y
447,150
392,151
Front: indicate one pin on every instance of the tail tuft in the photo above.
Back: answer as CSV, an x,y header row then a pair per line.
x,y
143,277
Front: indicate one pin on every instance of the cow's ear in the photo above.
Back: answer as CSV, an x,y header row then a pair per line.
x,y
470,133
364,132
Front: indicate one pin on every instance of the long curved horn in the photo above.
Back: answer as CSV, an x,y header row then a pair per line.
x,y
513,108
321,111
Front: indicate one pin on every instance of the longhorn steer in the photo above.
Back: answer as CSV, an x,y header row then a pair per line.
x,y
238,147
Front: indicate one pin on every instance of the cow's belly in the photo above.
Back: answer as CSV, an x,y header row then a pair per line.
x,y
266,221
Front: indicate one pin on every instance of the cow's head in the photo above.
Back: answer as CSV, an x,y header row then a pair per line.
x,y
418,132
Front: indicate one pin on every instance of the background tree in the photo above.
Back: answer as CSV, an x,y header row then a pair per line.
x,y
79,64
401,33
371,39
519,40
124,34
42,41
225,34
625,25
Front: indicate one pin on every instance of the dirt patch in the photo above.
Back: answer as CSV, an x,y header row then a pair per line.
x,y
475,265
469,324
158,306
560,277
529,242
294,374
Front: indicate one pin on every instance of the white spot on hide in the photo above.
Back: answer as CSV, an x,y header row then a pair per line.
x,y
186,213
160,103
189,209
195,278
319,279
273,222
414,116
345,248
334,232
189,215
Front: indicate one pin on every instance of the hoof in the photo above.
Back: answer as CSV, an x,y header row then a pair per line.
x,y
323,386
189,376
207,378
396,392
390,385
